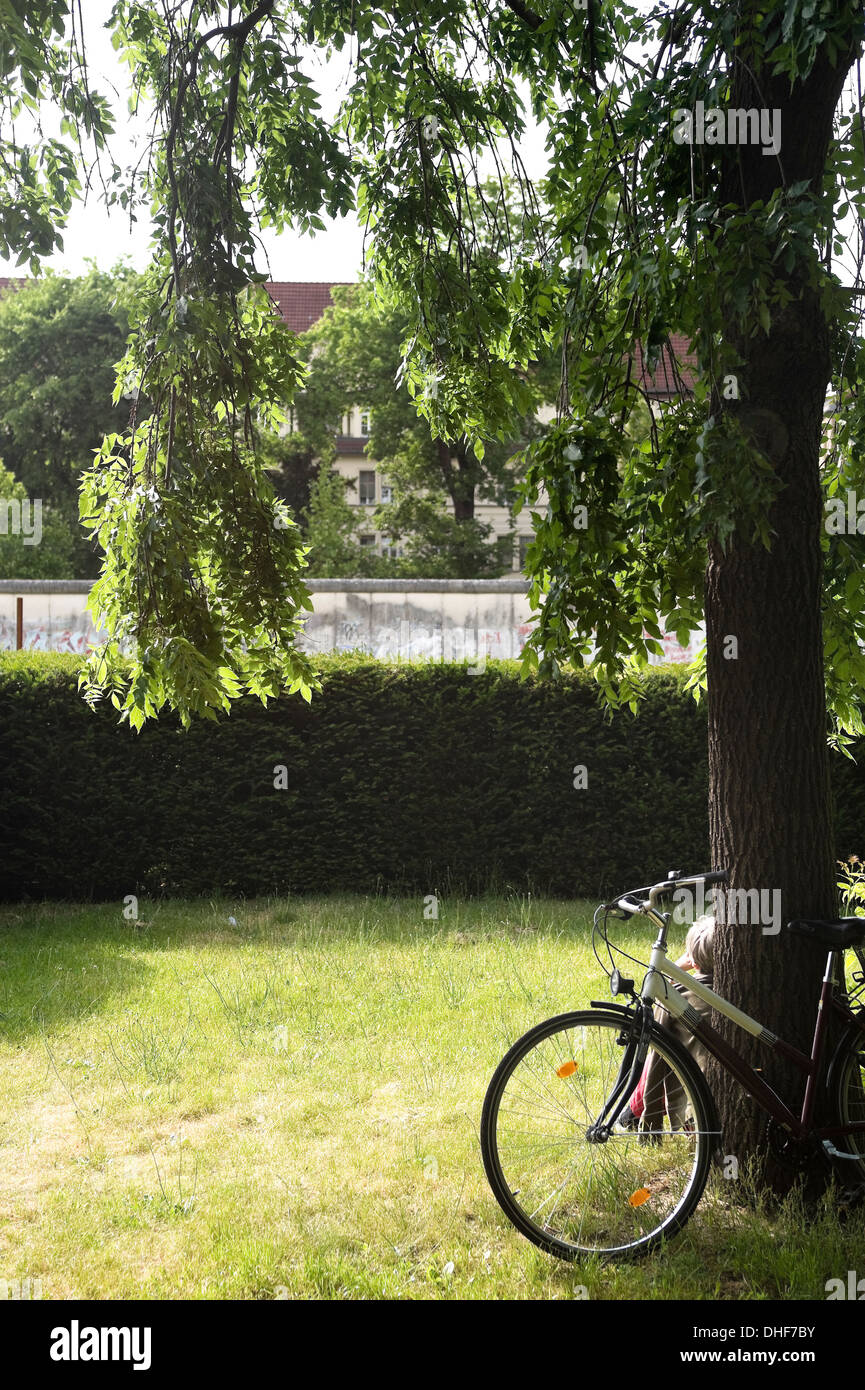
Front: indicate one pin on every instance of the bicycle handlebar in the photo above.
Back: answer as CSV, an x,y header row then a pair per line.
x,y
715,876
631,904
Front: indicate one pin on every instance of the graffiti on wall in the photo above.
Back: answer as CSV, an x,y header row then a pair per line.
x,y
47,637
429,632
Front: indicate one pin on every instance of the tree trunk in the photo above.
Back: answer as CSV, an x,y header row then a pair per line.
x,y
459,480
769,800
769,804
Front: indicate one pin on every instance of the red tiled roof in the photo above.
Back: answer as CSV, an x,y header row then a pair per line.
x,y
301,302
675,373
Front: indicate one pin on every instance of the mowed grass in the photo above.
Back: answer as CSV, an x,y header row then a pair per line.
x,y
288,1106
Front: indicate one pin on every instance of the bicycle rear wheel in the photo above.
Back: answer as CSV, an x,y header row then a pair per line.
x,y
847,1081
572,1197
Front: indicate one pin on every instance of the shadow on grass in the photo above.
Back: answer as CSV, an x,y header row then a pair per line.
x,y
62,962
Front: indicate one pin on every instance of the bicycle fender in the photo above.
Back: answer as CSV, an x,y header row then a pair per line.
x,y
622,1014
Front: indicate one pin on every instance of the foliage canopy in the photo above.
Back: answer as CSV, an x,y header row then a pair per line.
x,y
627,237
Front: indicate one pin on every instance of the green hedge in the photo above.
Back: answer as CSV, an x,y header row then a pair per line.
x,y
417,778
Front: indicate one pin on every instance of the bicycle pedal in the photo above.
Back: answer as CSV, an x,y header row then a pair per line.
x,y
830,1149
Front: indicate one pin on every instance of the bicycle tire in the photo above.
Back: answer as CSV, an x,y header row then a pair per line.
x,y
650,1223
847,1085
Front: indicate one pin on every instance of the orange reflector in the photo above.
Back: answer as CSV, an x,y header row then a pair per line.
x,y
637,1198
566,1069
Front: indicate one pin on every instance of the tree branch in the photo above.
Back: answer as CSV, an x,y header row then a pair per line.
x,y
525,14
239,30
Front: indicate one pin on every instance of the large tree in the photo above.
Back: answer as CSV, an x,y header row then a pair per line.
x,y
725,232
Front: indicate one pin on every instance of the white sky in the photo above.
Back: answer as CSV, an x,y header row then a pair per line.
x,y
94,232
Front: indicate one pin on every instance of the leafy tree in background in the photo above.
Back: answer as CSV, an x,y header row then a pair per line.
x,y
437,545
356,357
292,466
355,360
629,236
60,340
333,528
55,555
300,468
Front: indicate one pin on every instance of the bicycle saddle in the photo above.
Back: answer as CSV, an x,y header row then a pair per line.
x,y
837,935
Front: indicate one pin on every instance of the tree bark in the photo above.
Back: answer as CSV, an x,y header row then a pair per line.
x,y
769,799
769,805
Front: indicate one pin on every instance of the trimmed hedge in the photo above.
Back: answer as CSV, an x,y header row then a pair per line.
x,y
403,778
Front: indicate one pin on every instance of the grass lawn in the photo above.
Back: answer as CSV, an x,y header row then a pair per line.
x,y
288,1106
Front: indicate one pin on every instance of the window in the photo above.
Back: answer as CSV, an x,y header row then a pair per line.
x,y
525,542
364,422
389,547
367,540
386,493
366,487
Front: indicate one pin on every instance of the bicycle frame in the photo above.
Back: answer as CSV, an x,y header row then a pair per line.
x,y
656,990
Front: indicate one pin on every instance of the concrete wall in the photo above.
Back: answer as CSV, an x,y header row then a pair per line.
x,y
442,619
446,620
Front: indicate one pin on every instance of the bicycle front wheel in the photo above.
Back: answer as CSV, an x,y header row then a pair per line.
x,y
574,1197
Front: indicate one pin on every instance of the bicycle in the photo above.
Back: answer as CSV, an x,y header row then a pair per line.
x,y
576,1182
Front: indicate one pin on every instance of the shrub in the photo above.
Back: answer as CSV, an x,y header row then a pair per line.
x,y
401,778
